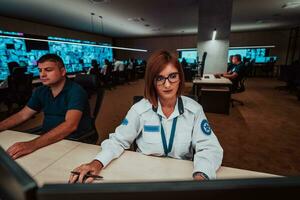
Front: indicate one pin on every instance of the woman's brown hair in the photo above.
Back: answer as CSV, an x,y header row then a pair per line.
x,y
156,63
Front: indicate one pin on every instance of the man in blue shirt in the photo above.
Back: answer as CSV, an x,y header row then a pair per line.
x,y
64,103
236,70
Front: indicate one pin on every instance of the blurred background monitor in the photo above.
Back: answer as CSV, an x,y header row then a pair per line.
x,y
260,55
189,55
15,183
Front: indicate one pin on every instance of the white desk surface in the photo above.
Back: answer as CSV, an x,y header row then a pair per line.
x,y
53,164
212,80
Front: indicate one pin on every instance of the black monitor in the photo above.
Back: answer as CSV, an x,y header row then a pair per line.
x,y
15,183
202,64
247,189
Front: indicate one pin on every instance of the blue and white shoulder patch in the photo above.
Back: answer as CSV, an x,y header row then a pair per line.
x,y
125,122
205,127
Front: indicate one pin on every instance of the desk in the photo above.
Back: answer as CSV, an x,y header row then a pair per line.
x,y
210,81
52,164
213,93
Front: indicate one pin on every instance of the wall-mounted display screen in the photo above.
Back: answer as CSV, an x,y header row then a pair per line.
x,y
189,55
76,54
260,55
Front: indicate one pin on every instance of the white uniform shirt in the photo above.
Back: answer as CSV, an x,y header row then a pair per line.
x,y
119,66
192,134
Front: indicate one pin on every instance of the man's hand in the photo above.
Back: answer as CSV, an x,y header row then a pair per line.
x,y
93,167
21,149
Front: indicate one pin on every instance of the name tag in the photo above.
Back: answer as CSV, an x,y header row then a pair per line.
x,y
151,128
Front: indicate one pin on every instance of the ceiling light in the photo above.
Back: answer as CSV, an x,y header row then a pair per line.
x,y
155,29
291,5
81,44
136,19
214,34
100,1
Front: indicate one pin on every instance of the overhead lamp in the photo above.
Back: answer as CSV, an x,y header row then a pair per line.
x,y
290,5
81,44
214,34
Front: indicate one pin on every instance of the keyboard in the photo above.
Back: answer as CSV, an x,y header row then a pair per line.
x,y
217,76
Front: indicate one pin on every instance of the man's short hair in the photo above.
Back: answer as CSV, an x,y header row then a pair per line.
x,y
238,57
52,58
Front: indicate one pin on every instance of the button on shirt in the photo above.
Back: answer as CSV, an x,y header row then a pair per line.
x,y
72,97
192,135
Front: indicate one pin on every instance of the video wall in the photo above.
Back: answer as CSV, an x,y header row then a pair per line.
x,y
260,55
76,54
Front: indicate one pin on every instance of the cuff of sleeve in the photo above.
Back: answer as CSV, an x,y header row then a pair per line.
x,y
202,174
105,157
210,173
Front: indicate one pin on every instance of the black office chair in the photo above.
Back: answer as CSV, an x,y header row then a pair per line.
x,y
90,83
238,85
20,89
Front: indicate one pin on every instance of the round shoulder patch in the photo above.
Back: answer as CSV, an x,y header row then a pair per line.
x,y
124,122
205,127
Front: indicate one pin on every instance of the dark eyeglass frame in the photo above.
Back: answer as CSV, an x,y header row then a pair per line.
x,y
165,78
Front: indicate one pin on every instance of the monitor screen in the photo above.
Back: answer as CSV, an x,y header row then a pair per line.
x,y
189,55
15,183
258,54
76,57
246,189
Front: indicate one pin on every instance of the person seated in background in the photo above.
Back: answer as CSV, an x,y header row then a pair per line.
x,y
184,64
118,66
230,64
158,121
11,66
235,70
94,69
64,103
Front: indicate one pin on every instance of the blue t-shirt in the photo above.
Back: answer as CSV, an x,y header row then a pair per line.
x,y
72,97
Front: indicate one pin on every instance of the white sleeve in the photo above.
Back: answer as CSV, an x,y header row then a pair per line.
x,y
208,151
123,137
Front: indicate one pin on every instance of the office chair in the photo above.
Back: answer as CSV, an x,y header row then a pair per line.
x,y
238,85
20,89
91,84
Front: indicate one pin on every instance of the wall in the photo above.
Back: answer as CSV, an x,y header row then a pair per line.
x,y
16,25
170,43
279,38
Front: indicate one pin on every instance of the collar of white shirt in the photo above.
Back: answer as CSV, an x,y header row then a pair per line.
x,y
176,112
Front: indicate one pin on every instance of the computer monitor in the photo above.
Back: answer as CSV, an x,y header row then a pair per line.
x,y
15,183
246,189
189,55
202,64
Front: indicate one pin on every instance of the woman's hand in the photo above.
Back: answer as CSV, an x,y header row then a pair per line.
x,y
93,168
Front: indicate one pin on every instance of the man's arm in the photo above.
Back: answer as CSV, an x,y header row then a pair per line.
x,y
17,118
231,76
58,133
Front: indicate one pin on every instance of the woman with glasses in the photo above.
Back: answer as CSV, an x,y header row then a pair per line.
x,y
164,123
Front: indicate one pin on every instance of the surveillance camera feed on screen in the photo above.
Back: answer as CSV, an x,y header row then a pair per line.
x,y
76,54
190,56
259,55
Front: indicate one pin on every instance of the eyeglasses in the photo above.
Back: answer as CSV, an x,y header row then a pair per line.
x,y
172,78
